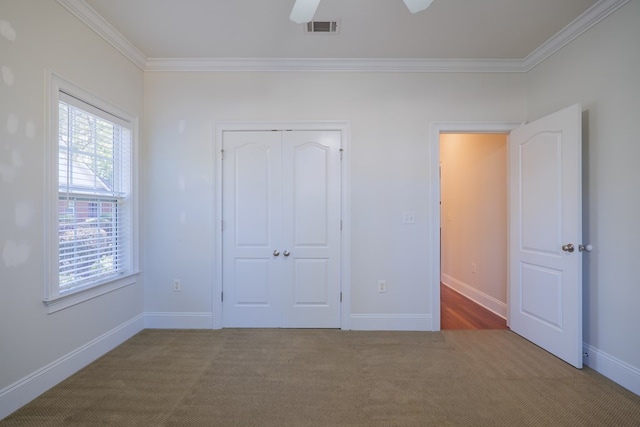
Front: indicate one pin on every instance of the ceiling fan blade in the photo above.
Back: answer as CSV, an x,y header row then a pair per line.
x,y
417,5
303,11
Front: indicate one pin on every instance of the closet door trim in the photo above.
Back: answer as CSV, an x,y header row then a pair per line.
x,y
345,243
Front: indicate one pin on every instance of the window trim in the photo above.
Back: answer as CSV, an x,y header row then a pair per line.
x,y
53,299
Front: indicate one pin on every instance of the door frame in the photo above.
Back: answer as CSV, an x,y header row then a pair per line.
x,y
345,205
434,197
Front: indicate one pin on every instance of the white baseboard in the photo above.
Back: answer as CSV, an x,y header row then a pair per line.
x,y
616,370
176,320
28,388
391,322
487,301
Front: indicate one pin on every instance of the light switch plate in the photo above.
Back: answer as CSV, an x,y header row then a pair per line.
x,y
408,217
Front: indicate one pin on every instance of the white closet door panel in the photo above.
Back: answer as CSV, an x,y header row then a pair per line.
x,y
252,281
311,229
310,195
251,229
253,195
311,280
281,233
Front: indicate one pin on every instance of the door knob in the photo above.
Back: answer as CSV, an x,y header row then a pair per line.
x,y
286,253
585,248
276,253
568,248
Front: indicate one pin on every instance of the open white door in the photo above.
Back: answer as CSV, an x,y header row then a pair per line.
x,y
545,221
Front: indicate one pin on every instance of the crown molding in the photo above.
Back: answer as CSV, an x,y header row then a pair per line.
x,y
97,23
578,26
596,13
334,65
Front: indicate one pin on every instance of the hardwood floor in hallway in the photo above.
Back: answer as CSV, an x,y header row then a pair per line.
x,y
459,312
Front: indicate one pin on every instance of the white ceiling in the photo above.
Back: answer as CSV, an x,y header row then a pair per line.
x,y
461,29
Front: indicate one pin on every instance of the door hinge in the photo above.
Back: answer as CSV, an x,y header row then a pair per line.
x,y
340,296
221,296
341,151
221,225
222,154
340,225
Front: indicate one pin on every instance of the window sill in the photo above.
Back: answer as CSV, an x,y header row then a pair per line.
x,y
71,299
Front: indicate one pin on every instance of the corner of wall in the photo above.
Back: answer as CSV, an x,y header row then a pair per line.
x,y
616,370
33,385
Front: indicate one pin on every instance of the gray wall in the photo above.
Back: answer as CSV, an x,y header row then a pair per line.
x,y
38,36
601,70
390,115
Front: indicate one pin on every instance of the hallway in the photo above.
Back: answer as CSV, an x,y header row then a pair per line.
x,y
459,312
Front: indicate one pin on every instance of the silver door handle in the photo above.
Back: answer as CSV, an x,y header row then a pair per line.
x,y
276,253
585,248
286,253
568,248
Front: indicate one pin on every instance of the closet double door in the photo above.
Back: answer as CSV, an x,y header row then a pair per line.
x,y
281,229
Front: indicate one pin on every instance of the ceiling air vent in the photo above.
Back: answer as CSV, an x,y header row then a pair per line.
x,y
322,27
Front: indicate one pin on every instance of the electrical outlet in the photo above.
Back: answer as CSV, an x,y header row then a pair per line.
x,y
177,286
382,286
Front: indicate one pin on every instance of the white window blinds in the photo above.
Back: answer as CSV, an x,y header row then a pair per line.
x,y
94,186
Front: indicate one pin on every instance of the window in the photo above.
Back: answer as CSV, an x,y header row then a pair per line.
x,y
92,236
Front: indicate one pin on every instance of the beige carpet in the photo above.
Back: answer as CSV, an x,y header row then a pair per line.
x,y
267,377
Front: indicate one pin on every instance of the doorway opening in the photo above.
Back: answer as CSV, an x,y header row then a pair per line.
x,y
545,211
436,130
473,232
